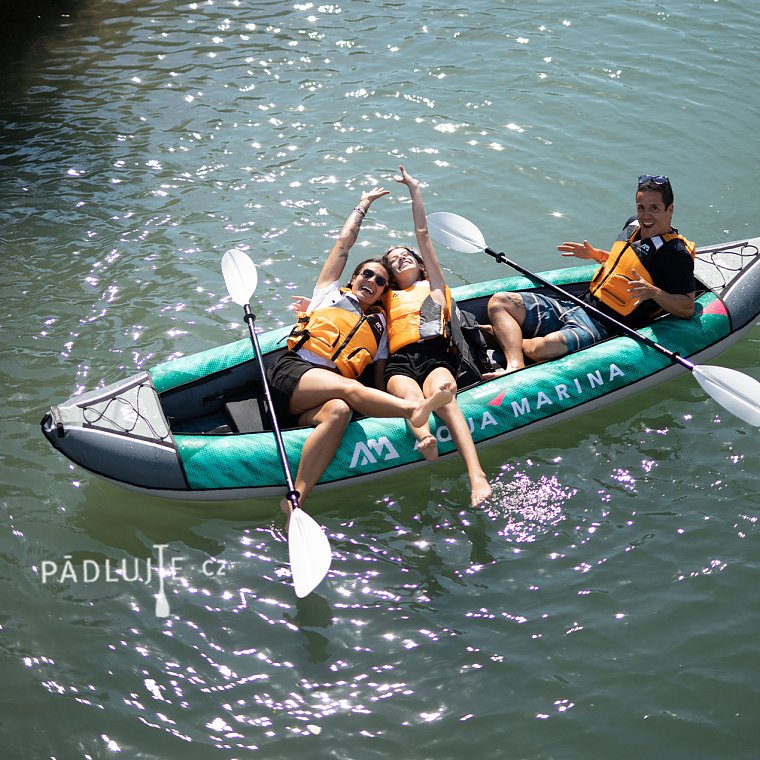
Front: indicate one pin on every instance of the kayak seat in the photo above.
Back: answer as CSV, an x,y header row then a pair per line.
x,y
249,415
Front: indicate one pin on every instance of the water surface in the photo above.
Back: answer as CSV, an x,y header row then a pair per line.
x,y
601,605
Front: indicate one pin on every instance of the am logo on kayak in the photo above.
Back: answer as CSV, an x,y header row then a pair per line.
x,y
564,391
372,451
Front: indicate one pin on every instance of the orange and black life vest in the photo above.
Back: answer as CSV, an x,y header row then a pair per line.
x,y
610,283
342,334
414,316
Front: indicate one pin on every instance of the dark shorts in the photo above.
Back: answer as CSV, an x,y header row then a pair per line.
x,y
283,377
418,360
544,315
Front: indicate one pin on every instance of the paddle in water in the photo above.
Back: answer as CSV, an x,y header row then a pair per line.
x,y
308,547
733,390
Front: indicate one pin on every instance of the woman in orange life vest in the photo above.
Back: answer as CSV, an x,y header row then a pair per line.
x,y
650,270
421,363
314,382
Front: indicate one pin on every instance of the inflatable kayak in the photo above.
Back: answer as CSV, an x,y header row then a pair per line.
x,y
197,427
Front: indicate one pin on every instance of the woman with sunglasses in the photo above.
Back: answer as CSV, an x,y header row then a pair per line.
x,y
344,331
421,362
648,271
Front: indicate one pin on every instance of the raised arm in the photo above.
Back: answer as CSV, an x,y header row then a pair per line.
x,y
333,267
424,243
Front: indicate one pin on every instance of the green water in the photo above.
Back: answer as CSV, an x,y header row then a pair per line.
x,y
603,605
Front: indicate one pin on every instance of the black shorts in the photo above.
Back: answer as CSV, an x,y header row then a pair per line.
x,y
283,377
418,360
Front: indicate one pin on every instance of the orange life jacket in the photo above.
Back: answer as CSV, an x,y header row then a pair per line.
x,y
341,334
414,316
610,283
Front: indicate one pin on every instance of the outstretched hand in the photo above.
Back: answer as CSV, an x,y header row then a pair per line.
x,y
639,289
300,303
374,194
582,250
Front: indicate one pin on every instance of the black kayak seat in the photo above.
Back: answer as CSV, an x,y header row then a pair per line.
x,y
249,415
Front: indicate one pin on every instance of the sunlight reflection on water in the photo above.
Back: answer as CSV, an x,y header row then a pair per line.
x,y
532,507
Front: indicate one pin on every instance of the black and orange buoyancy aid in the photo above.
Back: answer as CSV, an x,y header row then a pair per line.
x,y
341,334
414,316
610,283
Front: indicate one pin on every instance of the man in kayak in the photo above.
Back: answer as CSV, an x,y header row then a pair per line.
x,y
648,272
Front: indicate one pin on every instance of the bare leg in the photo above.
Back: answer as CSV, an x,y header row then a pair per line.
x,y
549,347
506,312
326,399
406,387
318,386
330,421
451,414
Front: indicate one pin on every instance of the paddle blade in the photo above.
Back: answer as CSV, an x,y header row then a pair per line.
x,y
455,232
735,391
309,551
162,605
240,276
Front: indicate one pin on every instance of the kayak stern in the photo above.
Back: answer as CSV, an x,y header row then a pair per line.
x,y
119,432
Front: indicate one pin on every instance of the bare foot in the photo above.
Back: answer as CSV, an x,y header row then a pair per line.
x,y
499,372
428,447
481,490
436,401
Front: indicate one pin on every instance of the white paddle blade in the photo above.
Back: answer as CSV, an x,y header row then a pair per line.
x,y
309,551
735,391
162,605
240,276
455,232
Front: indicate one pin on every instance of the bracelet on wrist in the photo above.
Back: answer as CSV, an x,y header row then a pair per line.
x,y
362,211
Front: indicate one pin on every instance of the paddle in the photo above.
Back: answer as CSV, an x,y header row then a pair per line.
x,y
308,546
162,603
735,391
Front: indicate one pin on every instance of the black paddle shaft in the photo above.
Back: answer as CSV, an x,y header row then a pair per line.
x,y
672,355
292,494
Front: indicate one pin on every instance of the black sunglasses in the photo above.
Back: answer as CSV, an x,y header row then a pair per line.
x,y
655,179
368,274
